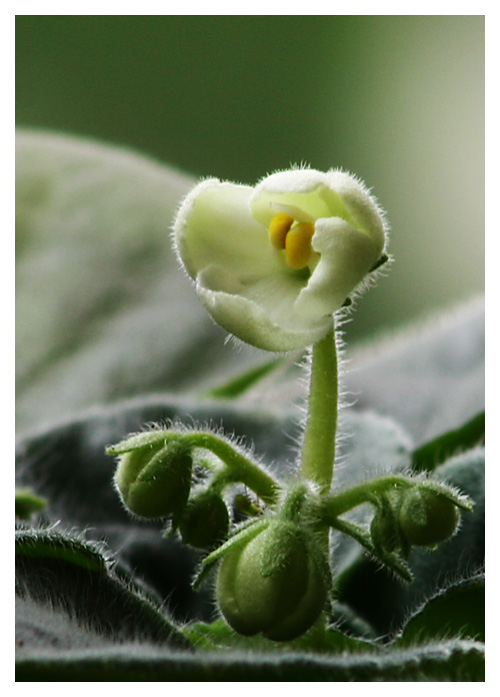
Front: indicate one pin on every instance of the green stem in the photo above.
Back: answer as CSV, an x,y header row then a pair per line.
x,y
338,504
393,561
318,447
239,467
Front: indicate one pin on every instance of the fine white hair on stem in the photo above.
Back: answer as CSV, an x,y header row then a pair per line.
x,y
239,443
341,317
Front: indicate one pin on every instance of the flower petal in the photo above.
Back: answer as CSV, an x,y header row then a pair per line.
x,y
306,190
260,313
363,209
214,226
346,256
320,195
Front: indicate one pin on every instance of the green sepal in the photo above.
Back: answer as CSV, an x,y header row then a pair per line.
x,y
246,531
154,439
384,528
465,503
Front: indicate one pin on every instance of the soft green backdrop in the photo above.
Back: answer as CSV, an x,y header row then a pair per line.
x,y
399,100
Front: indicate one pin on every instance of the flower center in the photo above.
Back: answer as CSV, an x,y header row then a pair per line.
x,y
294,237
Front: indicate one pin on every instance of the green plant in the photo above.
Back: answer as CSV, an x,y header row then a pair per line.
x,y
292,556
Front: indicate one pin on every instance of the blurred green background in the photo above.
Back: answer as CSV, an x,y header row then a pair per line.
x,y
398,100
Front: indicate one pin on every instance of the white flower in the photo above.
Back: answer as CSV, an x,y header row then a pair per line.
x,y
272,263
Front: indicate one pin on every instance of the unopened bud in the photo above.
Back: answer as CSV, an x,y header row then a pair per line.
x,y
274,582
427,517
154,479
205,521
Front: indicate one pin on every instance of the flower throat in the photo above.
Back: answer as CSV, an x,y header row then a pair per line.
x,y
294,237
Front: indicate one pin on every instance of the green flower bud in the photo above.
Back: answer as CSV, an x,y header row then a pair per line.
x,y
154,480
274,582
246,506
427,517
205,521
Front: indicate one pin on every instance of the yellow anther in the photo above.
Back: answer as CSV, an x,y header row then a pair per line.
x,y
278,228
298,245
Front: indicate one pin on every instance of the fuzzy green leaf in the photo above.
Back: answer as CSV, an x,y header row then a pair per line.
x,y
430,378
239,384
435,452
65,585
458,661
101,303
458,610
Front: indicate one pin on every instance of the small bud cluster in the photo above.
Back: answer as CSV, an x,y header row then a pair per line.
x,y
154,479
423,515
274,576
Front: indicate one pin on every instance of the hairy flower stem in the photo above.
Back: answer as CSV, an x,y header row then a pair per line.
x,y
338,504
238,467
318,447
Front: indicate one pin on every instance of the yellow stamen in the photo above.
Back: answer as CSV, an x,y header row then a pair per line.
x,y
278,228
298,245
